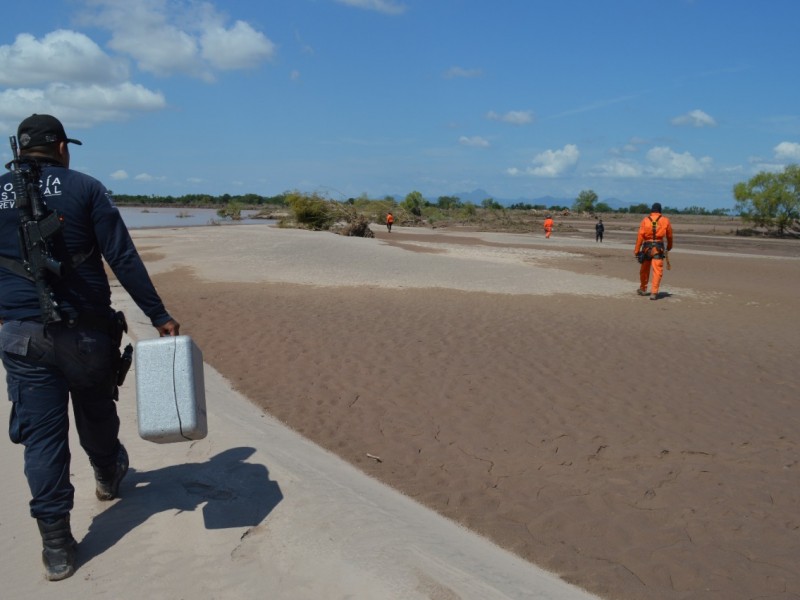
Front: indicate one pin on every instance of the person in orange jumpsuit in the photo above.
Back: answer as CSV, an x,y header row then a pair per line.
x,y
548,226
389,221
653,242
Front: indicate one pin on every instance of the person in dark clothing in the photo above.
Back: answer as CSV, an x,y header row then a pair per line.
x,y
599,228
76,354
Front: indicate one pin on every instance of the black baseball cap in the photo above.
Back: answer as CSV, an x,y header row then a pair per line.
x,y
40,130
656,207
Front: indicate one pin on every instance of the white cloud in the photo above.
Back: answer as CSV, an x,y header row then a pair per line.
x,y
475,141
460,72
80,105
163,52
695,118
551,163
240,47
515,117
787,151
115,99
166,37
664,162
119,174
59,56
144,177
619,168
67,74
757,167
388,7
633,145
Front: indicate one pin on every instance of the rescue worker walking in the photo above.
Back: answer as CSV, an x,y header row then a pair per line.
x,y
73,350
548,226
389,222
653,242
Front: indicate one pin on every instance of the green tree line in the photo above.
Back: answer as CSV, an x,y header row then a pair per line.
x,y
199,200
769,200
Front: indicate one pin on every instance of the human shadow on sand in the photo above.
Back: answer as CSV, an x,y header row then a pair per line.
x,y
234,493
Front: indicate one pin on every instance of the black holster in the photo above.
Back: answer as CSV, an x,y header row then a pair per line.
x,y
125,360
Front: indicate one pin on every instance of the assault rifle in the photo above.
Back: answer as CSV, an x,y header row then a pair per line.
x,y
37,226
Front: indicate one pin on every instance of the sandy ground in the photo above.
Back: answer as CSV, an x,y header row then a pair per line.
x,y
519,387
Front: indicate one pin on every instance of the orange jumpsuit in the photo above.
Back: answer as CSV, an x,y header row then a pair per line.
x,y
389,221
548,227
651,243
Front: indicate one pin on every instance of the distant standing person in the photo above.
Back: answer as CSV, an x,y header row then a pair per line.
x,y
599,228
389,222
548,226
653,242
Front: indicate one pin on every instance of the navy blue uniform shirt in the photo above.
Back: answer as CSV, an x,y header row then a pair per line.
x,y
91,225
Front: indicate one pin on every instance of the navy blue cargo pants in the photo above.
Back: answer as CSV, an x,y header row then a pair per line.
x,y
44,367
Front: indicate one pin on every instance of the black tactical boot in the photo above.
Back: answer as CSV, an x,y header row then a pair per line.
x,y
109,478
59,550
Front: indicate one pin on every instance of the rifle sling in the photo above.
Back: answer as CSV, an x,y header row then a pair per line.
x,y
15,266
18,267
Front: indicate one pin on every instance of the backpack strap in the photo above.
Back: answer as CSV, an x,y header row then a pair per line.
x,y
655,224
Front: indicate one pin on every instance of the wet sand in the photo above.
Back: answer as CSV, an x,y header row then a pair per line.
x,y
643,450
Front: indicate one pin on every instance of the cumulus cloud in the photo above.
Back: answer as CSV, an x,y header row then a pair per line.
x,y
550,163
515,117
665,162
758,164
475,141
619,168
58,56
695,118
80,105
240,47
661,161
461,72
166,37
105,98
789,151
119,174
66,73
388,7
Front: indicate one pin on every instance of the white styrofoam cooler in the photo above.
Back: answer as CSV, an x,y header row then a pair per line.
x,y
170,390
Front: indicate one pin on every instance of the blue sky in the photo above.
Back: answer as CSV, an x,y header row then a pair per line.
x,y
640,100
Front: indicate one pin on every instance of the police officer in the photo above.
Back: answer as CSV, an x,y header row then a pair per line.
x,y
76,353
